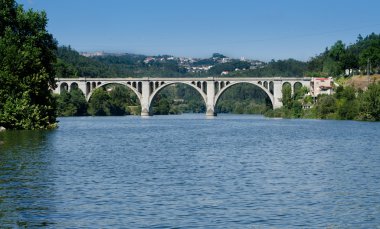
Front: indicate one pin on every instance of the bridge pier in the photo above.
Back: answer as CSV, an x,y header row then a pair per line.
x,y
210,97
144,102
277,93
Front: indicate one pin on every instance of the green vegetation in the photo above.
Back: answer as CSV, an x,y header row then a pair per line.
x,y
347,103
177,99
284,68
361,57
243,99
113,100
71,103
27,54
71,64
229,66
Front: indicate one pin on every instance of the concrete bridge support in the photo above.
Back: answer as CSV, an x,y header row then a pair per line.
x,y
210,101
144,101
277,94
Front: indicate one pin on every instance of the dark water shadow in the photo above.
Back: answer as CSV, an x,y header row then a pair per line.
x,y
25,179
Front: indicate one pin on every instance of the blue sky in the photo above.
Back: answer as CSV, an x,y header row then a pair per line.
x,y
264,30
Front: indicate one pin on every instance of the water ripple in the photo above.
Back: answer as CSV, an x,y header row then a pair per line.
x,y
191,172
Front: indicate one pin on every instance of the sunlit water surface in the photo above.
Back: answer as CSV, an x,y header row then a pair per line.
x,y
188,171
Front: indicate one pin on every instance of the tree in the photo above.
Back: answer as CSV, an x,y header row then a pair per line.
x,y
71,103
287,96
325,106
163,107
79,101
370,103
119,98
347,104
99,104
27,55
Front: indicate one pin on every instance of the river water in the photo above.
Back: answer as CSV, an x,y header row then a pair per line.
x,y
188,171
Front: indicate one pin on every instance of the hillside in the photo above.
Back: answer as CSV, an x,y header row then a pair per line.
x,y
338,60
72,64
361,81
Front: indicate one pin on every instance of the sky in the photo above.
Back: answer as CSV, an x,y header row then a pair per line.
x,y
260,30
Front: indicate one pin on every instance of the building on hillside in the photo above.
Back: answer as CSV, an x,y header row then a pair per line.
x,y
321,86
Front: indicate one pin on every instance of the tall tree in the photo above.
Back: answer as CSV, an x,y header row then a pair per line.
x,y
287,96
27,55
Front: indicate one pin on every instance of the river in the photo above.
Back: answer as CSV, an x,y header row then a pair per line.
x,y
189,171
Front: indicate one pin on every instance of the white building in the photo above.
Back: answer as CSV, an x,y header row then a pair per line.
x,y
319,86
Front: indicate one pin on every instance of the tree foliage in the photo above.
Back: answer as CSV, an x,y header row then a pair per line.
x,y
364,53
71,103
347,103
284,68
27,54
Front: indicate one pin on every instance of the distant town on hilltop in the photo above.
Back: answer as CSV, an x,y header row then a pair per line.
x,y
192,65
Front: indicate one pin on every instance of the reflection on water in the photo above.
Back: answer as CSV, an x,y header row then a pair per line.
x,y
190,171
24,179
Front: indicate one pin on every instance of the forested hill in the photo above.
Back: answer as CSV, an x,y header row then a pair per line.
x,y
357,58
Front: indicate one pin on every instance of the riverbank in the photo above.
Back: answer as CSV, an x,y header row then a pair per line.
x,y
347,103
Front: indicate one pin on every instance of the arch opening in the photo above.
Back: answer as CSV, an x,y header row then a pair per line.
x,y
297,90
243,98
265,84
199,84
204,87
88,88
271,87
177,98
64,87
114,99
74,86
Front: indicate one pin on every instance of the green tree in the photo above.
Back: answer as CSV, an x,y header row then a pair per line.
x,y
370,103
287,96
27,54
99,104
325,106
79,101
64,105
347,105
297,110
71,103
119,99
163,107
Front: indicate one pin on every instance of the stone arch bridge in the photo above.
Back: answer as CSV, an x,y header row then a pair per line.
x,y
210,88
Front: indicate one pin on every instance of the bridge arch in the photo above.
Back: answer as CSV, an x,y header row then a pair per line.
x,y
296,86
162,86
74,85
138,94
267,91
64,87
